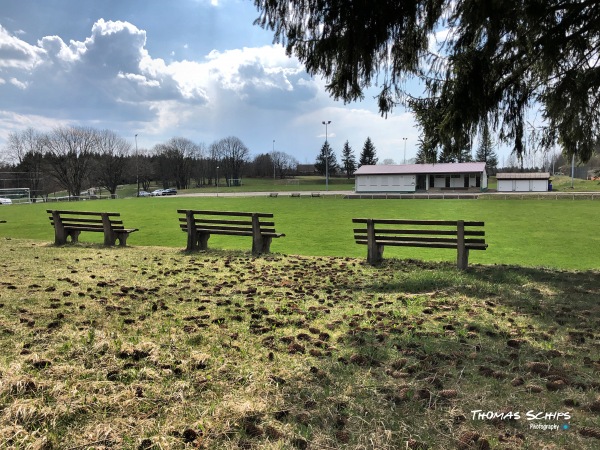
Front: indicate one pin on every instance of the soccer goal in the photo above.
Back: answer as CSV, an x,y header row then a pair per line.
x,y
234,182
16,195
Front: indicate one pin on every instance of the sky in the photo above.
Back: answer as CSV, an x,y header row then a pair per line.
x,y
197,69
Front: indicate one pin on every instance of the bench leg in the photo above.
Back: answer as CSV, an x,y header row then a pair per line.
x,y
122,238
266,244
110,238
375,254
74,235
202,241
60,238
462,258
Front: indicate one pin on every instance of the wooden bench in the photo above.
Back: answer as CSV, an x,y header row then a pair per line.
x,y
199,225
460,235
295,194
273,194
69,224
315,194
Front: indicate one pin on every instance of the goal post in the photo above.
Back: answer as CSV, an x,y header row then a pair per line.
x,y
231,182
16,195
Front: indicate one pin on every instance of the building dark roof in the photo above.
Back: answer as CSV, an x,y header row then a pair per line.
x,y
410,169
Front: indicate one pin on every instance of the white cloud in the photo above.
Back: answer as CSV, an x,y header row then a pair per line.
x,y
17,83
112,78
15,53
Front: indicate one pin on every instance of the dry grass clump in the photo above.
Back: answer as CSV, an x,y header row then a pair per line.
x,y
152,348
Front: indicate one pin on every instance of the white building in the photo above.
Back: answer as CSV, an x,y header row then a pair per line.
x,y
421,177
523,182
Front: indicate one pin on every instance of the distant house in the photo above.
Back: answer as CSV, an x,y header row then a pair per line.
x,y
523,182
421,177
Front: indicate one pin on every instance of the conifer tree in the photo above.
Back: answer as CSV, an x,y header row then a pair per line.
x,y
348,160
326,161
367,156
485,152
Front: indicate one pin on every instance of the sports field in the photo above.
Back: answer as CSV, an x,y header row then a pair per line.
x,y
533,233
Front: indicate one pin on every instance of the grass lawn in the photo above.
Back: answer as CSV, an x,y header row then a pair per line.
x,y
152,348
533,233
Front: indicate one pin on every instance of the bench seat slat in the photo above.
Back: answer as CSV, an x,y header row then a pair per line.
x,y
418,222
384,239
83,213
423,232
72,220
200,221
224,213
470,246
224,230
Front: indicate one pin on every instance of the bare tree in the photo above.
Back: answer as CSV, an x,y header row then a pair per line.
x,y
175,161
284,163
27,150
111,156
69,152
232,154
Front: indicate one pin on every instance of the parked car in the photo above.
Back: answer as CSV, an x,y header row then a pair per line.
x,y
170,191
157,192
5,201
144,194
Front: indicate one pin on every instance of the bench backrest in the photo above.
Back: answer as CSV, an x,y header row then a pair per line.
x,y
431,233
224,222
91,220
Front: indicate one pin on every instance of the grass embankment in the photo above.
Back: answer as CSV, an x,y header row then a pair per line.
x,y
552,233
152,348
566,184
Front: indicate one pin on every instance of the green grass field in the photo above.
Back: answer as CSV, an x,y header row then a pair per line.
x,y
534,233
152,348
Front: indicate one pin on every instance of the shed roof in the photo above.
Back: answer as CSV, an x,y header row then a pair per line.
x,y
409,169
523,176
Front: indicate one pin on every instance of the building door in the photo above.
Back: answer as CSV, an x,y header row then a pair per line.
x,y
448,181
421,182
466,181
478,181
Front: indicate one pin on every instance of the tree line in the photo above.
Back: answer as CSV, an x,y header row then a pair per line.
x,y
327,162
76,158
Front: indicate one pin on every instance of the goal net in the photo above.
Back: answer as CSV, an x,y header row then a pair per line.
x,y
16,195
234,182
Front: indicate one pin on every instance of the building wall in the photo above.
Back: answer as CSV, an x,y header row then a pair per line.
x,y
522,185
452,181
385,183
408,183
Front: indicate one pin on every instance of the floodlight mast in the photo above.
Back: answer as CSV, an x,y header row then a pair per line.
x,y
137,167
326,157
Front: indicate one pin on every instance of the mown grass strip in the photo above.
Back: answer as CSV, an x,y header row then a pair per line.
x,y
529,232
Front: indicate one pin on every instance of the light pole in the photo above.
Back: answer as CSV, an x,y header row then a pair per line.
x,y
404,139
273,160
137,167
217,181
326,156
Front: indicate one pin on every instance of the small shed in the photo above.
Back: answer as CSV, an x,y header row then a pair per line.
x,y
421,177
523,182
